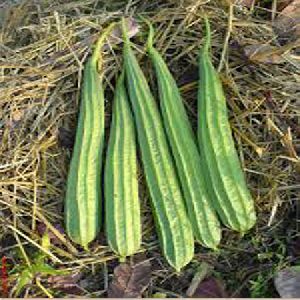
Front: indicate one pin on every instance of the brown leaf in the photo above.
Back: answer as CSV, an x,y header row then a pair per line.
x,y
67,283
281,4
130,281
261,53
291,10
287,282
287,24
211,288
116,36
203,271
60,280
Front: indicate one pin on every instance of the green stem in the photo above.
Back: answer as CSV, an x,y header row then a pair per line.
x,y
122,259
207,44
97,54
124,32
150,38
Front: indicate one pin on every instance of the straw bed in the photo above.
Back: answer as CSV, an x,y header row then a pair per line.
x,y
43,46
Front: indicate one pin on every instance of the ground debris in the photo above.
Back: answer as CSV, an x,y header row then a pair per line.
x,y
130,281
287,282
287,23
210,288
68,283
262,53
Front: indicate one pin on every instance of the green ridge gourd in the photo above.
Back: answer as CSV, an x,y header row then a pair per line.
x,y
225,177
174,228
122,207
83,193
184,147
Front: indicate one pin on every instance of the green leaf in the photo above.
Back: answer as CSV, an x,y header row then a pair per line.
x,y
24,279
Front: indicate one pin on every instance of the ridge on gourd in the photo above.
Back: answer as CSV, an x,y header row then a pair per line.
x,y
122,207
83,193
173,226
225,177
184,147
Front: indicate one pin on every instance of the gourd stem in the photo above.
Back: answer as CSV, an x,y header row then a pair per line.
x,y
122,259
121,76
207,43
97,55
124,32
150,38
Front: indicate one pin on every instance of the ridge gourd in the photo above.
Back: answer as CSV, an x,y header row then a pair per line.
x,y
173,226
225,177
184,147
122,207
83,193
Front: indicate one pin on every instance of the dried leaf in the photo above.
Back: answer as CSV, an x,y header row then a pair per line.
x,y
287,282
61,280
281,4
287,24
265,54
130,281
291,10
211,288
116,36
67,283
203,271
